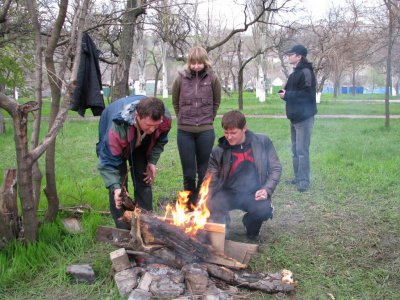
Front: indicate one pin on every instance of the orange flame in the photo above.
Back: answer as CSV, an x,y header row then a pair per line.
x,y
192,220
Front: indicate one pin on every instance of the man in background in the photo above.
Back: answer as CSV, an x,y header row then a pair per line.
x,y
300,97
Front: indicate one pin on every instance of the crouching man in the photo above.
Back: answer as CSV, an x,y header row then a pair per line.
x,y
244,169
133,129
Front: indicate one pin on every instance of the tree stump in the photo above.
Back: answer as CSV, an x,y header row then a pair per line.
x,y
9,225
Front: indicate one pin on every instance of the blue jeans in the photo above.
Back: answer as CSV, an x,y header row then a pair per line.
x,y
301,137
143,194
194,152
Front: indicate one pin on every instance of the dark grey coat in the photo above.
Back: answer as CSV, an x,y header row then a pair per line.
x,y
265,157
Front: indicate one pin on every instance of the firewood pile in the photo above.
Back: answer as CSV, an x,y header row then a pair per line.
x,y
157,260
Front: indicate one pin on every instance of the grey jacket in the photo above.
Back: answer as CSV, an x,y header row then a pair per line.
x,y
265,158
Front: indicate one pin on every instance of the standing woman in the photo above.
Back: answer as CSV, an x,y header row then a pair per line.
x,y
196,95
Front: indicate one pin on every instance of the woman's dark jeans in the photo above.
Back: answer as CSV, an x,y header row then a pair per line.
x,y
194,151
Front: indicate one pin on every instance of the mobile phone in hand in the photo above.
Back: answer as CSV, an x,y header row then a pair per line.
x,y
280,91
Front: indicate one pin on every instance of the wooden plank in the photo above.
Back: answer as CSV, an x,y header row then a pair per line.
x,y
215,227
226,261
242,252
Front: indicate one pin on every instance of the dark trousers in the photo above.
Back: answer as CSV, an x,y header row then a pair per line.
x,y
256,211
143,194
194,152
301,136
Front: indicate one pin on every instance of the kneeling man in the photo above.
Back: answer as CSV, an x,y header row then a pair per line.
x,y
244,169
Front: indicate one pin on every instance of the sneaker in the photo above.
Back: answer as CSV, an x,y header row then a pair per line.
x,y
291,181
302,187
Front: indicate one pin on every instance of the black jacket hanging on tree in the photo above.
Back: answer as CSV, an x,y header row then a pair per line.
x,y
88,92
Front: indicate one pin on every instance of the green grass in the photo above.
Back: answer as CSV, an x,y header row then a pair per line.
x,y
275,106
340,238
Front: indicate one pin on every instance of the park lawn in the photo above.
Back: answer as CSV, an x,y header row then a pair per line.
x,y
340,238
275,106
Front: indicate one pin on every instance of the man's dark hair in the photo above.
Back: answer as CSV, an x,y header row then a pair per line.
x,y
151,107
233,119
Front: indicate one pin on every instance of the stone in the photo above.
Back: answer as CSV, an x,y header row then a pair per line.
x,y
72,225
81,273
196,278
145,282
120,260
139,294
165,288
127,280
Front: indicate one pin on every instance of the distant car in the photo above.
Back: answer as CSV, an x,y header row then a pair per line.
x,y
249,89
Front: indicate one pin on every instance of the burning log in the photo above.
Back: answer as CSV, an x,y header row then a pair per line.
x,y
270,283
150,233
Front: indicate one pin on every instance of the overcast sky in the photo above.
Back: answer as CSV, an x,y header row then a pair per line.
x,y
233,12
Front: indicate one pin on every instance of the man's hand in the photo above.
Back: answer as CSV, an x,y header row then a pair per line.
x,y
261,194
281,93
117,198
150,173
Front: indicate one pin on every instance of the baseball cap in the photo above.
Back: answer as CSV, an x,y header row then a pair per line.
x,y
298,49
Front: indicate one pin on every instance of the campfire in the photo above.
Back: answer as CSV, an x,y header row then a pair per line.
x,y
183,255
190,218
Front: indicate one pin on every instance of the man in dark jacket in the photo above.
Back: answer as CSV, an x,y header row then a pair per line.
x,y
300,97
133,129
244,169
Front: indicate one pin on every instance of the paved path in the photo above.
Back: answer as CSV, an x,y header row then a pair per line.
x,y
365,101
326,116
91,118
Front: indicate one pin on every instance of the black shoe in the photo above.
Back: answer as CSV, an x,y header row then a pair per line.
x,y
291,181
250,236
253,237
302,187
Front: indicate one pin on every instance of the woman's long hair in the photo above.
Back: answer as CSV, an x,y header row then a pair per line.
x,y
199,55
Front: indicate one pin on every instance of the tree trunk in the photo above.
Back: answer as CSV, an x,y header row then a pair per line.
x,y
2,120
164,71
36,173
240,75
240,89
24,174
353,80
51,185
141,62
389,64
156,82
2,124
336,87
260,88
9,225
51,188
121,87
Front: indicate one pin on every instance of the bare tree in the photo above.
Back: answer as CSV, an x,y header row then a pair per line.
x,y
134,8
242,65
26,156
